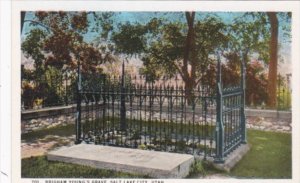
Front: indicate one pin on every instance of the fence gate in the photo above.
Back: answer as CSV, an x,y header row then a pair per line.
x,y
134,112
231,123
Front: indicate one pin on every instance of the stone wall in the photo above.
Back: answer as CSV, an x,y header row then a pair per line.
x,y
32,120
269,120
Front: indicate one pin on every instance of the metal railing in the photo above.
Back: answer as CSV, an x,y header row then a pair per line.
x,y
161,115
47,90
284,92
284,95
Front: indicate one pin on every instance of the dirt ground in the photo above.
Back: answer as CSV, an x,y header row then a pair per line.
x,y
40,147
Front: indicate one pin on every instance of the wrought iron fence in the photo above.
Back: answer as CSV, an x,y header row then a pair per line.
x,y
131,112
48,89
59,89
284,95
231,122
150,116
284,92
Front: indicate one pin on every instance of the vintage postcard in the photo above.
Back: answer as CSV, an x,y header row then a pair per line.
x,y
154,91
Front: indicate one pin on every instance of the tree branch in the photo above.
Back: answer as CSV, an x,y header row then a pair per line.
x,y
40,24
179,70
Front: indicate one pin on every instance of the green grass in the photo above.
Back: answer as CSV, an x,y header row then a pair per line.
x,y
62,131
269,156
154,126
196,169
40,167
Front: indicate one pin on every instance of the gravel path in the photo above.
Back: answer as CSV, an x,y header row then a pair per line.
x,y
42,146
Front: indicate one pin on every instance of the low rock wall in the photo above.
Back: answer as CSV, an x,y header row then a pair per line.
x,y
269,120
32,120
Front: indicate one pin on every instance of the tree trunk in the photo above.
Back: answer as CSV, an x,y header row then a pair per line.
x,y
189,58
23,14
189,91
272,75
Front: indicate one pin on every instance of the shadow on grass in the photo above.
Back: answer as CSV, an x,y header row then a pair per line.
x,y
40,167
49,134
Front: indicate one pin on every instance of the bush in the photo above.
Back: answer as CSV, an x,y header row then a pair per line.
x,y
197,168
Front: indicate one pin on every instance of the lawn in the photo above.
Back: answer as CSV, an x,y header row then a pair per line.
x,y
39,167
269,157
62,131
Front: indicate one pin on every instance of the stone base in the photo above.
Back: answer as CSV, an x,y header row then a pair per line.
x,y
232,159
152,163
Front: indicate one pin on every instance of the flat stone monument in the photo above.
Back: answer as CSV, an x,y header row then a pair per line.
x,y
152,163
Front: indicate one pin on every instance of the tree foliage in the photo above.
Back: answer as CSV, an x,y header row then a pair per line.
x,y
63,46
163,45
56,45
249,34
174,47
264,31
184,46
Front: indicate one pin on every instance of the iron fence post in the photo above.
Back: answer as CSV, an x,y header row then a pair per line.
x,y
66,89
206,126
78,109
123,108
243,87
219,123
280,92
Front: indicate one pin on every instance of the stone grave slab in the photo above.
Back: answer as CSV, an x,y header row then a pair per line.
x,y
152,163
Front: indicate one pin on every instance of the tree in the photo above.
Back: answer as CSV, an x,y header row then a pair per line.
x,y
63,44
258,33
174,47
272,77
56,45
33,47
169,44
256,80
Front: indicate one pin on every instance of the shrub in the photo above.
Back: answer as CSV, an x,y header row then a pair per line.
x,y
197,168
